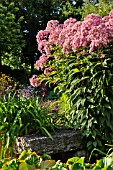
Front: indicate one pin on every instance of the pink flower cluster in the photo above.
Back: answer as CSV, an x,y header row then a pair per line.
x,y
41,61
34,81
92,32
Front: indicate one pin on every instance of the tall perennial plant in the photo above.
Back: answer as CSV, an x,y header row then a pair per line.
x,y
77,57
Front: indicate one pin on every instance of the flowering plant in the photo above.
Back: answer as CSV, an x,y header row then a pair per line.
x,y
79,57
73,37
7,85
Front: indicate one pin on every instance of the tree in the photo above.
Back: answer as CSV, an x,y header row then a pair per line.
x,y
36,14
11,39
101,7
69,9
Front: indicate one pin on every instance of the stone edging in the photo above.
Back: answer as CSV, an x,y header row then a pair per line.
x,y
63,141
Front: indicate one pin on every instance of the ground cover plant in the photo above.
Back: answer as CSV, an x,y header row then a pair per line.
x,y
77,58
31,161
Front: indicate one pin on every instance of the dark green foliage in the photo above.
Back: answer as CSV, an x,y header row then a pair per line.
x,y
20,75
11,41
34,16
90,91
87,81
69,9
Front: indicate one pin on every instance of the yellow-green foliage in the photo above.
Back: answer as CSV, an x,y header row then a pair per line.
x,y
102,8
7,84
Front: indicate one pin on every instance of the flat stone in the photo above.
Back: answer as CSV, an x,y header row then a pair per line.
x,y
63,141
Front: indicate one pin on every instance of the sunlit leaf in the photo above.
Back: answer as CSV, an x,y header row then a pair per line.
x,y
47,164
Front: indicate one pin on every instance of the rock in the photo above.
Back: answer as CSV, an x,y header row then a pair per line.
x,y
63,141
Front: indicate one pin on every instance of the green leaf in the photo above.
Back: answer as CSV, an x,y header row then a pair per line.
x,y
10,163
1,163
107,105
25,166
77,166
46,131
83,102
32,159
47,164
72,160
76,70
89,143
95,143
75,82
24,154
108,161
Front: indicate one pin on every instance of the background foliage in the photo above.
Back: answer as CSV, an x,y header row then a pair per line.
x,y
11,41
102,8
18,42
